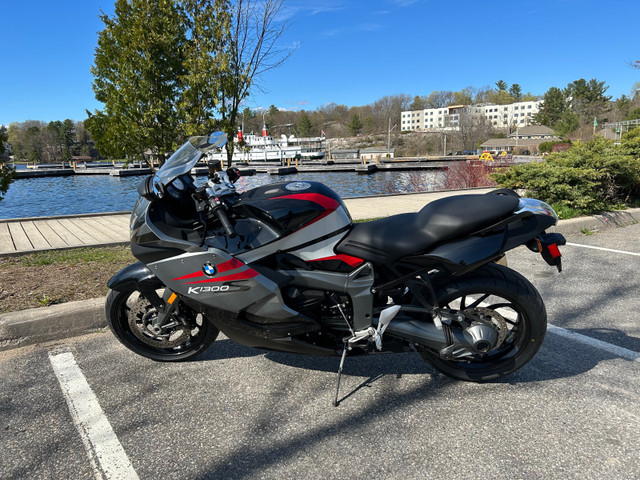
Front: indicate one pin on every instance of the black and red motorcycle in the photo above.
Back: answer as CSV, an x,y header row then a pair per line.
x,y
283,267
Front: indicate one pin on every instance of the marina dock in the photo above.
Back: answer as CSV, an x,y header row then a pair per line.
x,y
27,235
287,167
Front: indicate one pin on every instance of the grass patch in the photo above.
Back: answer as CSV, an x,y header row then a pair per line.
x,y
48,278
76,256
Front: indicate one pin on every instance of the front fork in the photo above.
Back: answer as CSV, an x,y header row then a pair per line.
x,y
165,307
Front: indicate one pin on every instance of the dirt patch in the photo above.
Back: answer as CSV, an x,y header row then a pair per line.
x,y
39,280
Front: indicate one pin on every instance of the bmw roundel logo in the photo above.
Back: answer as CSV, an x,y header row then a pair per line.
x,y
297,186
209,269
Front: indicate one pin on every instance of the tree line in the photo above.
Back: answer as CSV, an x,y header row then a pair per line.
x,y
573,111
55,141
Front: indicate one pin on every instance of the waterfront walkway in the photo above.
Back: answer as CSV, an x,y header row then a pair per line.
x,y
27,235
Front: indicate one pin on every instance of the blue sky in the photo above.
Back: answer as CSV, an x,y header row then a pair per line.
x,y
348,52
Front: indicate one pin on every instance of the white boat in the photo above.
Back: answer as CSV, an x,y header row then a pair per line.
x,y
264,148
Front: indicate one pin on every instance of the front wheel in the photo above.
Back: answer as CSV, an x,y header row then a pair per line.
x,y
130,316
497,291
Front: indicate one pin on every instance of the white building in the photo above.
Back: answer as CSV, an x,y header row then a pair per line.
x,y
517,114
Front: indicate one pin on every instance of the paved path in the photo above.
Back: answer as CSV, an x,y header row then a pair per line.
x,y
48,233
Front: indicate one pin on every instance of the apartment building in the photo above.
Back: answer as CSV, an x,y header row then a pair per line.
x,y
517,114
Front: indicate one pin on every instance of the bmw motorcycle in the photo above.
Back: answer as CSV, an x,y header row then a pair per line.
x,y
283,267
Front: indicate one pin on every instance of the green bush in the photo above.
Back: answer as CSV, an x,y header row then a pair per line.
x,y
588,178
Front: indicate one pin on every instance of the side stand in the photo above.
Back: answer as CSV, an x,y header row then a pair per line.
x,y
344,354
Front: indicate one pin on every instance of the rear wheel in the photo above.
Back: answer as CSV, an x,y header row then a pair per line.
x,y
497,295
130,316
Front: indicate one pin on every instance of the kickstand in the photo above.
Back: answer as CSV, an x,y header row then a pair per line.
x,y
344,354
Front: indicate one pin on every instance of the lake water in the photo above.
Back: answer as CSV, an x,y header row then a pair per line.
x,y
47,196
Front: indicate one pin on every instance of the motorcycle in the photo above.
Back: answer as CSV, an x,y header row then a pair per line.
x,y
283,267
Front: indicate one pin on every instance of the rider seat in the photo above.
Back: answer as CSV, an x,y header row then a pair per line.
x,y
389,239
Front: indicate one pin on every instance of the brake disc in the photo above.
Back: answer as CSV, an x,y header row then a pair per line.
x,y
489,317
141,315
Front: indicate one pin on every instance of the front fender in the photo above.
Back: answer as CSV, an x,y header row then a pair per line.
x,y
134,277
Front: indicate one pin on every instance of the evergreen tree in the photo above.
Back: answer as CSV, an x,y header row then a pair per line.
x,y
355,125
304,125
208,23
516,92
138,74
553,106
587,99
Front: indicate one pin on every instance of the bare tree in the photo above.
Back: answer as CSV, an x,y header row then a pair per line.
x,y
252,49
472,129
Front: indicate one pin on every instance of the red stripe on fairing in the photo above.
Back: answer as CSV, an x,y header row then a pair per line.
x,y
348,259
244,275
223,267
325,202
229,265
191,275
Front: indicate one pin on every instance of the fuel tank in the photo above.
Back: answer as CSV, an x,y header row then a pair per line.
x,y
288,207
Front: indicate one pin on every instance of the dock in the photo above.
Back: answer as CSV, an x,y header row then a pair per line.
x,y
288,167
28,235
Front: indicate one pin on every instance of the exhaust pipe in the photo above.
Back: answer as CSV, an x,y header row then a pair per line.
x,y
416,331
476,339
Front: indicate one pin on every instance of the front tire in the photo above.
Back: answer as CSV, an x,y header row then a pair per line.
x,y
128,317
514,298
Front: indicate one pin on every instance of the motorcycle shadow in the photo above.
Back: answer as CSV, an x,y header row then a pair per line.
x,y
369,367
557,359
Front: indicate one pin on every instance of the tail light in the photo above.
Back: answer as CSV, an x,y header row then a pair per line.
x,y
547,245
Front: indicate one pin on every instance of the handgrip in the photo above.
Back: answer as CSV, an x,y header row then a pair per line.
x,y
224,220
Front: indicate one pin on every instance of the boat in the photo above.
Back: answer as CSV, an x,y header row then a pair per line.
x,y
265,148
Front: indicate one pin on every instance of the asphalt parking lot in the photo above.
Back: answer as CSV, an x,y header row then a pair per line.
x,y
573,412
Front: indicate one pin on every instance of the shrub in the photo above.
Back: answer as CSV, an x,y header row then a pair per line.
x,y
588,178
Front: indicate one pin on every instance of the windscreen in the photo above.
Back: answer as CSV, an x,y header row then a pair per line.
x,y
181,162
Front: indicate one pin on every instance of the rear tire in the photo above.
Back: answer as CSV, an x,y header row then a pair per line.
x,y
188,341
516,299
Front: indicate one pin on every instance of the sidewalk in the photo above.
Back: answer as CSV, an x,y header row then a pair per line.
x,y
77,318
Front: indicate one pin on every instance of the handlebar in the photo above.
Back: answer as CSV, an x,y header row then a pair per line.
x,y
218,210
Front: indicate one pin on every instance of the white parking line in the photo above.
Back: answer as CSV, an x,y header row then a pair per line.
x,y
98,437
609,347
603,249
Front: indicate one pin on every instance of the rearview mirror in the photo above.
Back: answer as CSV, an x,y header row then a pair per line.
x,y
217,139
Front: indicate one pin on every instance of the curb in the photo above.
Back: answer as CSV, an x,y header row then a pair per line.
x,y
597,223
37,325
